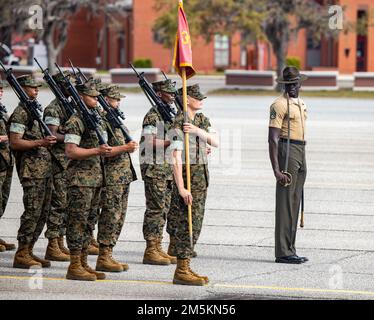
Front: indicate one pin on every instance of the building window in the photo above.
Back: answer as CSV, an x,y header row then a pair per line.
x,y
221,51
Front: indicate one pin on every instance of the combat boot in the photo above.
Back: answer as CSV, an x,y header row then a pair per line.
x,y
105,262
205,278
54,253
62,246
76,271
125,266
184,276
152,256
173,259
93,247
99,275
22,258
8,246
43,262
2,248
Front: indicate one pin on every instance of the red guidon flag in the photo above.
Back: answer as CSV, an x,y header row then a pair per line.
x,y
183,50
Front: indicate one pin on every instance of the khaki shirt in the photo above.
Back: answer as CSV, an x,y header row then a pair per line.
x,y
298,116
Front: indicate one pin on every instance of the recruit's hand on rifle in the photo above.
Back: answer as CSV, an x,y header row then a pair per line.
x,y
132,146
281,177
3,139
104,150
186,195
48,141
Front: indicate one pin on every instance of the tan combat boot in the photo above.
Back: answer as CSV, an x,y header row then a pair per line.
x,y
105,262
2,248
205,278
152,256
184,276
173,259
23,260
44,263
99,275
93,247
61,245
125,266
54,253
76,271
8,246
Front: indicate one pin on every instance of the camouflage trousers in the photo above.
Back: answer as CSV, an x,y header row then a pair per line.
x,y
37,195
113,214
5,184
83,202
158,198
178,226
56,222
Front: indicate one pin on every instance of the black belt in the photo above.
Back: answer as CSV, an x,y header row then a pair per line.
x,y
299,142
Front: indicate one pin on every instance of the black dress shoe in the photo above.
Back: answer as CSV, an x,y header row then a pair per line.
x,y
304,258
290,259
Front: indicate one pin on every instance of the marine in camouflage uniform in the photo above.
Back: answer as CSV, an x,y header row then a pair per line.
x,y
85,178
157,175
34,168
200,133
6,166
55,116
119,174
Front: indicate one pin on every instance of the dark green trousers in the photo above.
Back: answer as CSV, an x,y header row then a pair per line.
x,y
288,200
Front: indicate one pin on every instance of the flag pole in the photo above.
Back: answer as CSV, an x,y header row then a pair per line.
x,y
187,149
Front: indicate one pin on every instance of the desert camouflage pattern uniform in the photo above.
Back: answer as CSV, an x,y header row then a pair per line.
x,y
157,175
178,215
6,165
54,114
85,178
34,168
119,174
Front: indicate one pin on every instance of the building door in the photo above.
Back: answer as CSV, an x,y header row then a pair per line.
x,y
362,41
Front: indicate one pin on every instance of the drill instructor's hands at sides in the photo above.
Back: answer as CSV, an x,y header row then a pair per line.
x,y
281,178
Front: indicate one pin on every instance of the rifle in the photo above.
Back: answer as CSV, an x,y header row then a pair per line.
x,y
111,115
178,100
68,106
166,113
91,119
32,106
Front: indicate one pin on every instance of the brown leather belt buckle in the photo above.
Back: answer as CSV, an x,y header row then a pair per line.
x,y
290,178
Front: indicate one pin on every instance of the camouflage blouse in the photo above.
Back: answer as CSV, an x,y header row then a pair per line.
x,y
119,169
155,163
35,163
88,172
6,158
55,115
198,155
